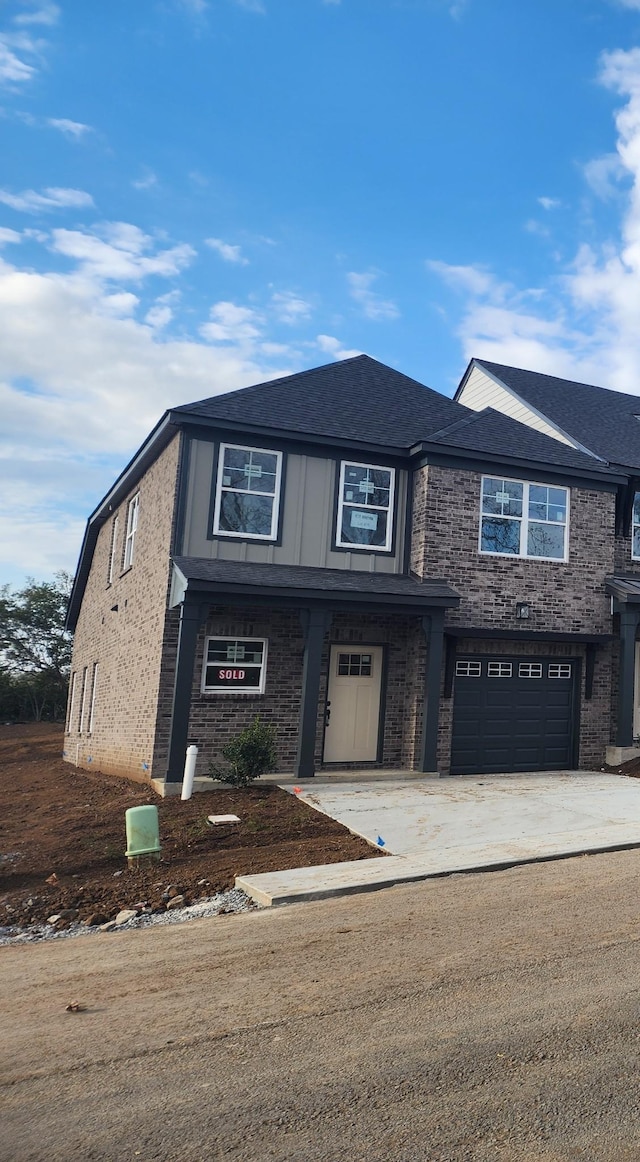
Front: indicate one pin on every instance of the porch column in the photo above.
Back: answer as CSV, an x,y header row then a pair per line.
x,y
629,617
433,629
315,622
192,615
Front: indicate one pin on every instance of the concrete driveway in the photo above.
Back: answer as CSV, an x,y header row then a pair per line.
x,y
437,826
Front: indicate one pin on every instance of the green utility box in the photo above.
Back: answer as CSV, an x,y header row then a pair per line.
x,y
143,837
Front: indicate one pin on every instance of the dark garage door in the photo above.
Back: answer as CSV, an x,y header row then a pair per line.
x,y
513,714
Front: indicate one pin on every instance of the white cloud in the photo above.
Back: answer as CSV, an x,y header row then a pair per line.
x,y
158,316
360,288
290,308
53,198
472,279
118,250
603,175
226,251
47,13
549,203
586,323
230,323
146,182
13,69
7,235
72,129
332,346
630,4
82,381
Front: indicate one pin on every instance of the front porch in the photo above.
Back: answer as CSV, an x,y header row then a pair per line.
x,y
347,665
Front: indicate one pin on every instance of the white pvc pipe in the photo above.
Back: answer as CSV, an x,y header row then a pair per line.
x,y
189,772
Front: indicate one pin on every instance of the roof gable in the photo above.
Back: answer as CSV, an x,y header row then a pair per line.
x,y
606,422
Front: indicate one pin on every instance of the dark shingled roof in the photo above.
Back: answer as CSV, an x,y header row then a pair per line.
x,y
355,583
624,588
356,399
606,422
491,431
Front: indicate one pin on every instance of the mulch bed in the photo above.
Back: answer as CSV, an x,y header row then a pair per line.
x,y
62,836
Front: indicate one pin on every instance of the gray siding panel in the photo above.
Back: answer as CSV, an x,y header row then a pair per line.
x,y
307,521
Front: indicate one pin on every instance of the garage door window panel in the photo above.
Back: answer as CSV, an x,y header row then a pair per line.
x,y
523,519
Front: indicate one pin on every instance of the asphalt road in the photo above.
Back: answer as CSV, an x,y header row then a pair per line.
x,y
483,1017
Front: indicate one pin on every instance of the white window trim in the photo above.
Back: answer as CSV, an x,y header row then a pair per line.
x,y
260,689
92,705
524,521
72,698
634,525
342,504
275,512
83,699
133,509
113,551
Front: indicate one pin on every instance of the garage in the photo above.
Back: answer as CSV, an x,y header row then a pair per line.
x,y
514,714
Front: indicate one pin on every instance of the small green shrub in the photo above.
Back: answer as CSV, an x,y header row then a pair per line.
x,y
250,754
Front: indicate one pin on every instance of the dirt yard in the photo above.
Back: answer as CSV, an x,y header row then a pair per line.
x,y
62,836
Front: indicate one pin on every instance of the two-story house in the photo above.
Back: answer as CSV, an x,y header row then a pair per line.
x,y
393,578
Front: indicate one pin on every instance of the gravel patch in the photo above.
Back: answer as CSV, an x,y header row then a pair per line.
x,y
220,904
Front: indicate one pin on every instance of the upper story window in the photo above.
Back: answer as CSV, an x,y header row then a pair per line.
x,y
635,528
248,492
132,528
365,507
524,520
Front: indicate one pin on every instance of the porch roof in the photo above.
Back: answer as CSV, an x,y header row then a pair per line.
x,y
241,579
625,589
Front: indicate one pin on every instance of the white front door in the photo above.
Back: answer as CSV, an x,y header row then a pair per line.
x,y
353,704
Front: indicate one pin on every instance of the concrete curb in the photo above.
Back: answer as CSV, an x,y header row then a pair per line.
x,y
298,885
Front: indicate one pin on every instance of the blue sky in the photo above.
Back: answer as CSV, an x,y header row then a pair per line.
x,y
197,195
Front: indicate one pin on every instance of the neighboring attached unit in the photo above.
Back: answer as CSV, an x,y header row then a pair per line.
x,y
394,579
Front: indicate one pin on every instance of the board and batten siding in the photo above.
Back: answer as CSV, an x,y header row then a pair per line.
x,y
482,391
309,496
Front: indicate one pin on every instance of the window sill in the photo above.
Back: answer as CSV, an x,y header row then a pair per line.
x,y
523,557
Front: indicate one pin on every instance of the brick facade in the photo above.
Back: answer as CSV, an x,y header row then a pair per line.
x,y
564,597
216,717
126,642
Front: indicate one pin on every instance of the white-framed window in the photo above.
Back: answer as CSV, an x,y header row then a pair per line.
x,y
234,665
132,528
499,669
113,550
635,528
524,519
559,670
72,698
92,705
247,492
365,507
530,670
83,700
468,669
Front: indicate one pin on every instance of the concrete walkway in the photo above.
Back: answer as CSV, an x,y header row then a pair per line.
x,y
435,827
